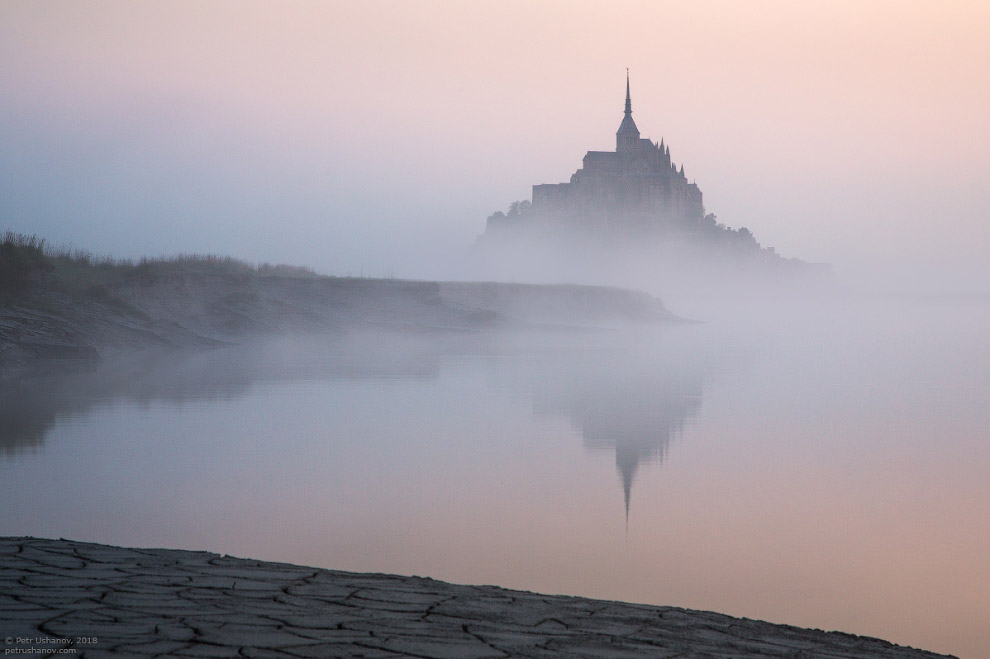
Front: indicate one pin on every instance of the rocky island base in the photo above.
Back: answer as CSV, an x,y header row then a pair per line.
x,y
90,600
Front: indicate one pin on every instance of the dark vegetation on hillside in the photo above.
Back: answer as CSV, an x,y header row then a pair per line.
x,y
27,263
707,230
22,261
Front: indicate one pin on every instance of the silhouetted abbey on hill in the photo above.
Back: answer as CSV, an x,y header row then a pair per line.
x,y
634,189
634,202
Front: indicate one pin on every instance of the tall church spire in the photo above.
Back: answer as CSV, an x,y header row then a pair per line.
x,y
628,99
627,137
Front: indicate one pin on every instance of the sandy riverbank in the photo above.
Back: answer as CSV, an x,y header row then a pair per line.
x,y
105,601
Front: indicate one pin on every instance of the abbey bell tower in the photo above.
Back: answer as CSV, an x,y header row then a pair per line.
x,y
627,137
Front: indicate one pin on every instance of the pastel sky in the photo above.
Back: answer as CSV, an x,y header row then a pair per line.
x,y
375,137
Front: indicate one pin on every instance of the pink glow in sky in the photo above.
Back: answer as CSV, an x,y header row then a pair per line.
x,y
374,137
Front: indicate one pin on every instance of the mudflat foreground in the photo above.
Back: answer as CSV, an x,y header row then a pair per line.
x,y
95,600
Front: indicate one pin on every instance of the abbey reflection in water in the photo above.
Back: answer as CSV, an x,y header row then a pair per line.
x,y
631,399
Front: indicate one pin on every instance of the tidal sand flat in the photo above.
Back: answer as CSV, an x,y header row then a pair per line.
x,y
103,601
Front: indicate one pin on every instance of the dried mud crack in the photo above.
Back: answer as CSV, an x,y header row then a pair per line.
x,y
103,601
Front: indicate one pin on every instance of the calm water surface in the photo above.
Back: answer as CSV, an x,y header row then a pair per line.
x,y
825,466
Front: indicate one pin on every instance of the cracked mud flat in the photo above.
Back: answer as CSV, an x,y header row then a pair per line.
x,y
103,601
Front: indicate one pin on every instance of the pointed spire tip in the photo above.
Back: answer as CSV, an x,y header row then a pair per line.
x,y
628,99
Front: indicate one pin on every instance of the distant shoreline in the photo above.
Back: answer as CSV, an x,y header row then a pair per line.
x,y
96,311
106,601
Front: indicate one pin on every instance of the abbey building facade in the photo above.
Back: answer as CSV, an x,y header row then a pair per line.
x,y
635,189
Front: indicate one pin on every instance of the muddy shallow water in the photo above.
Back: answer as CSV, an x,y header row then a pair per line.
x,y
824,466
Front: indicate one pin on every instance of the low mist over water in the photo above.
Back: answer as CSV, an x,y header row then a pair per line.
x,y
821,465
782,411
